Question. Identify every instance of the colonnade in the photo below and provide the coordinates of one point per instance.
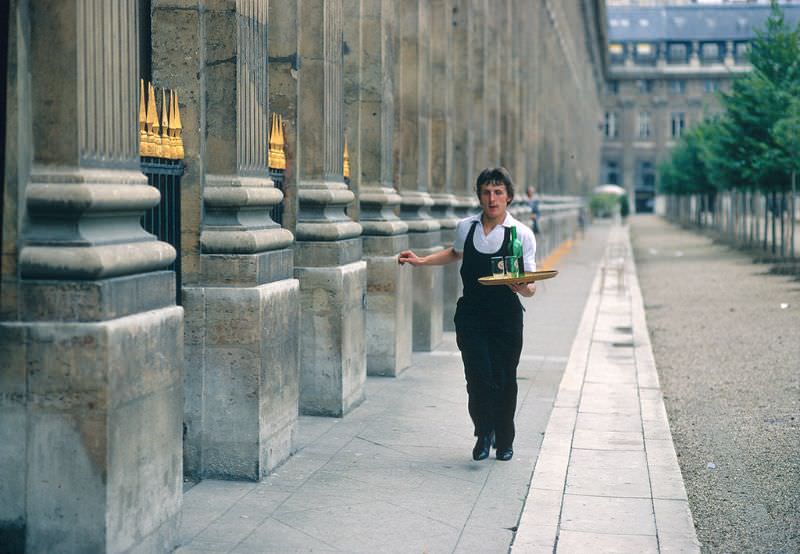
(114, 392)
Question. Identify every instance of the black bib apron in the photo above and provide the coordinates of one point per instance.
(488, 324)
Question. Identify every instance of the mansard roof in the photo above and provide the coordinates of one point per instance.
(687, 23)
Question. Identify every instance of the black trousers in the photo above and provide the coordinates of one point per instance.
(490, 352)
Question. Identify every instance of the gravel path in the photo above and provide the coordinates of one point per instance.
(728, 357)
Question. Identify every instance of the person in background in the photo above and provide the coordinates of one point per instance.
(533, 204)
(488, 319)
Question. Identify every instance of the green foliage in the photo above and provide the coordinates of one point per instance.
(603, 205)
(754, 143)
(687, 170)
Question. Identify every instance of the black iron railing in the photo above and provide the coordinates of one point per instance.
(164, 219)
(277, 210)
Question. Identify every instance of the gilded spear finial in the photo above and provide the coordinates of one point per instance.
(152, 122)
(346, 164)
(144, 146)
(175, 125)
(166, 145)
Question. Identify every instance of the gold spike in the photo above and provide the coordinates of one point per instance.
(177, 128)
(346, 164)
(152, 122)
(173, 142)
(277, 156)
(166, 147)
(143, 145)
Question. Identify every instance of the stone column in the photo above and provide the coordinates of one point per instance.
(729, 58)
(333, 277)
(414, 171)
(493, 65)
(462, 166)
(90, 398)
(369, 97)
(517, 30)
(242, 316)
(694, 54)
(442, 107)
(478, 78)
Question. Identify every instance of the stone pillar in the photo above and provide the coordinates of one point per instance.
(369, 97)
(729, 59)
(493, 65)
(694, 54)
(414, 171)
(242, 317)
(90, 398)
(442, 107)
(333, 277)
(518, 73)
(477, 77)
(460, 56)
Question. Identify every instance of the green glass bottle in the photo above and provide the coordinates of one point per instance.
(515, 252)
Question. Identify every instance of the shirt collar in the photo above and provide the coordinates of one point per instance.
(509, 221)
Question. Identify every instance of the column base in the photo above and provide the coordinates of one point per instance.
(333, 366)
(92, 462)
(241, 380)
(388, 330)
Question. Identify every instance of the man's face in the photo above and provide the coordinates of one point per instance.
(494, 199)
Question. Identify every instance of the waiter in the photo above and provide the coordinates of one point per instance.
(488, 319)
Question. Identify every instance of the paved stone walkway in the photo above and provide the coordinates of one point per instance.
(607, 477)
(396, 474)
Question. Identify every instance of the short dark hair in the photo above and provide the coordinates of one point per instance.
(498, 176)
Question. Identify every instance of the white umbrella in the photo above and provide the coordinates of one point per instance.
(610, 189)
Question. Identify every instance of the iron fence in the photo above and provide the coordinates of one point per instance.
(277, 176)
(164, 219)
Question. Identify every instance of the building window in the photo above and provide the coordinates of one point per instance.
(645, 129)
(677, 86)
(709, 52)
(710, 85)
(645, 86)
(616, 52)
(613, 87)
(742, 49)
(678, 124)
(610, 172)
(610, 127)
(678, 52)
(645, 52)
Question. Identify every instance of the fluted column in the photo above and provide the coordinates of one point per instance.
(240, 297)
(493, 66)
(370, 32)
(442, 108)
(478, 78)
(329, 248)
(90, 399)
(414, 170)
(460, 57)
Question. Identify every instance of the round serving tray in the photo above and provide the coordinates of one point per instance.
(527, 277)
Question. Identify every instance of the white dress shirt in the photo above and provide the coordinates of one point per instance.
(489, 244)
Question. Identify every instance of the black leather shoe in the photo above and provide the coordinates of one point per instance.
(482, 446)
(505, 454)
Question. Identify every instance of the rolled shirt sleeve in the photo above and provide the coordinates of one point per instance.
(462, 230)
(528, 247)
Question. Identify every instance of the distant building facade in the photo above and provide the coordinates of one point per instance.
(666, 66)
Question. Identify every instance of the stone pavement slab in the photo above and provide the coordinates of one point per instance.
(396, 474)
(607, 477)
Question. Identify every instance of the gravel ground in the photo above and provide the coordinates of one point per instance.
(728, 356)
